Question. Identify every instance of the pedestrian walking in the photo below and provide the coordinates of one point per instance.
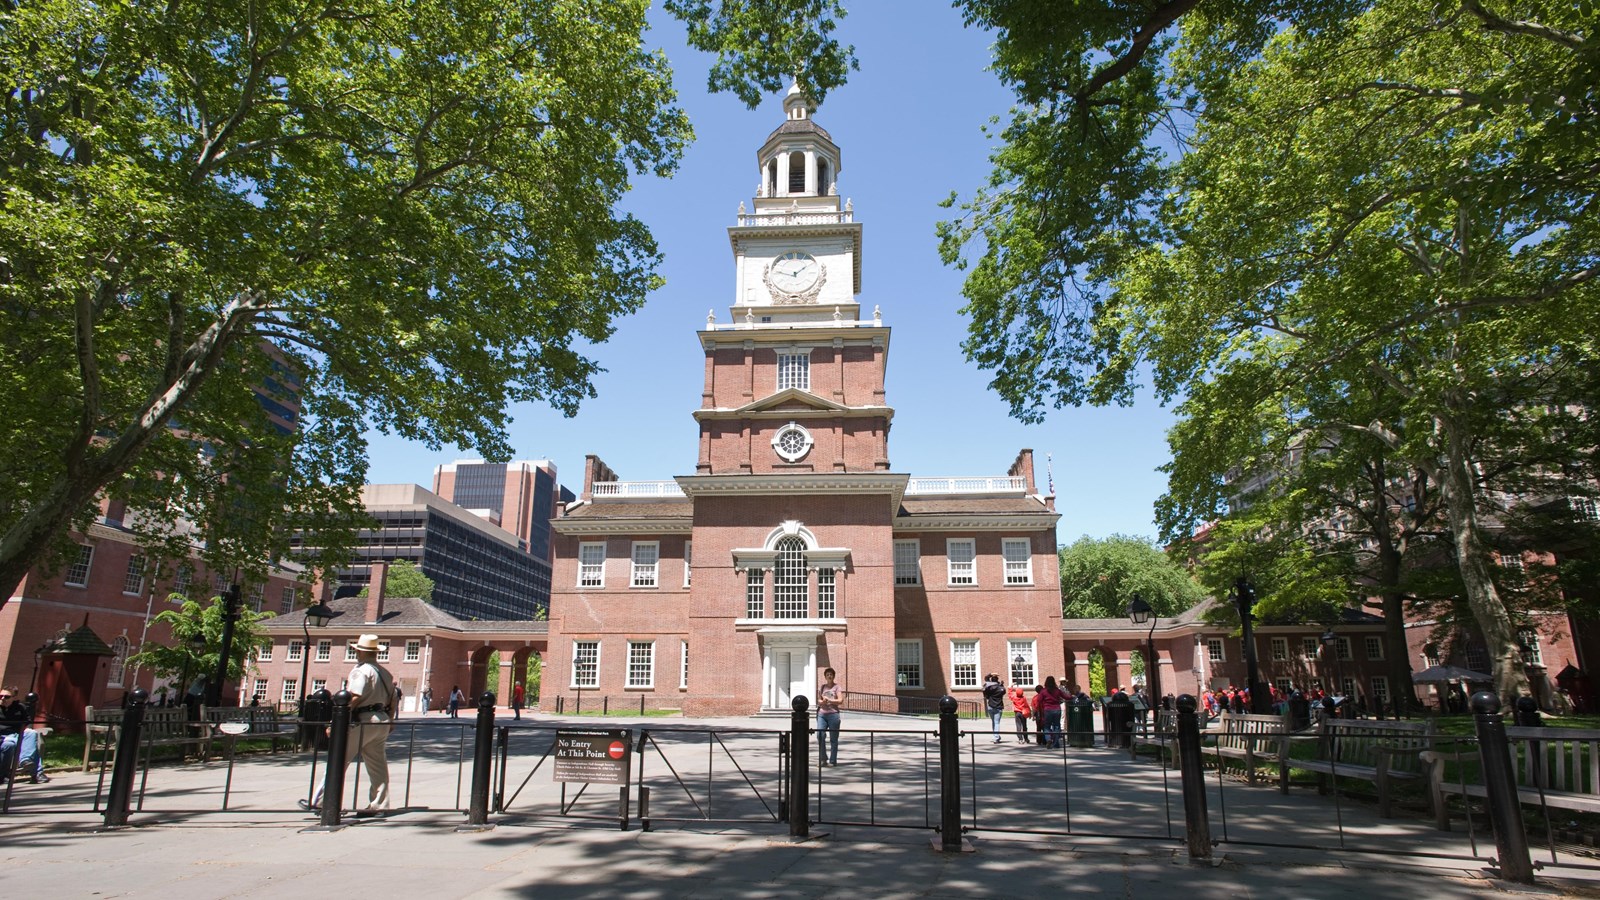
(1021, 710)
(994, 702)
(829, 699)
(456, 699)
(373, 704)
(516, 702)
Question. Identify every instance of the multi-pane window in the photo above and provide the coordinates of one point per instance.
(1511, 562)
(1018, 555)
(646, 562)
(794, 371)
(1478, 658)
(585, 664)
(1021, 658)
(1347, 686)
(413, 651)
(1283, 685)
(1309, 647)
(297, 649)
(291, 690)
(133, 581)
(319, 684)
(688, 561)
(755, 594)
(1430, 657)
(286, 600)
(592, 565)
(383, 651)
(1532, 654)
(119, 661)
(180, 583)
(827, 594)
(1584, 509)
(259, 692)
(964, 664)
(1214, 651)
(1380, 688)
(219, 582)
(962, 556)
(78, 572)
(349, 653)
(683, 666)
(258, 596)
(264, 654)
(324, 651)
(1346, 652)
(1280, 649)
(907, 562)
(908, 664)
(641, 664)
(1374, 646)
(789, 580)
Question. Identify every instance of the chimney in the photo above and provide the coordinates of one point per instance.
(376, 582)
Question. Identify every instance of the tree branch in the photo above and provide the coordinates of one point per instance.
(1160, 18)
(1493, 22)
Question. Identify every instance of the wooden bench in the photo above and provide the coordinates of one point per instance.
(263, 723)
(1380, 751)
(163, 727)
(1164, 738)
(1552, 767)
(1249, 737)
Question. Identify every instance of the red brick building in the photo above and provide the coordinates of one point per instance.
(794, 546)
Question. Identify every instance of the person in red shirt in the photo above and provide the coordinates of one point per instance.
(1022, 711)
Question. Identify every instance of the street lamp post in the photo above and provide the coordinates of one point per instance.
(230, 615)
(1244, 597)
(1330, 651)
(319, 615)
(1140, 612)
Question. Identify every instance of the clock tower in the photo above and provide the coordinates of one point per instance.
(794, 381)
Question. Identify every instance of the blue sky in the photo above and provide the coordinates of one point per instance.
(909, 126)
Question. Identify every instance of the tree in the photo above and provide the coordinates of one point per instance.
(1391, 192)
(348, 216)
(186, 656)
(1099, 577)
(404, 579)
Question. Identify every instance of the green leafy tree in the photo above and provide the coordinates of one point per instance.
(370, 214)
(1392, 192)
(1099, 576)
(404, 579)
(187, 656)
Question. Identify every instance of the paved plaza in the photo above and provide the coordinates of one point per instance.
(1087, 821)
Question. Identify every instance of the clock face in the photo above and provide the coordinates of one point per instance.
(794, 272)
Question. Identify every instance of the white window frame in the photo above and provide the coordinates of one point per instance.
(349, 653)
(1512, 562)
(907, 563)
(286, 603)
(1347, 651)
(645, 573)
(794, 369)
(1283, 684)
(296, 651)
(118, 670)
(908, 654)
(318, 684)
(1025, 647)
(648, 668)
(258, 595)
(413, 651)
(258, 691)
(133, 581)
(592, 571)
(960, 679)
(264, 654)
(183, 580)
(291, 690)
(1373, 644)
(683, 665)
(1310, 647)
(324, 651)
(755, 594)
(1216, 650)
(383, 651)
(578, 651)
(827, 593)
(78, 573)
(688, 561)
(1017, 571)
(1280, 649)
(1380, 688)
(1532, 652)
(961, 574)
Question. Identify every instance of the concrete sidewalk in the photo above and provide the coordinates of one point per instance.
(261, 850)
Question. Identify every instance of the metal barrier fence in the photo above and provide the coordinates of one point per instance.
(582, 703)
(896, 705)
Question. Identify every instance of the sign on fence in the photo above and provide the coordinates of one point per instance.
(593, 756)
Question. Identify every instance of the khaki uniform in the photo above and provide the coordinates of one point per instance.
(371, 688)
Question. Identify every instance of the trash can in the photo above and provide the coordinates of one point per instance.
(316, 711)
(1119, 721)
(1299, 712)
(1080, 722)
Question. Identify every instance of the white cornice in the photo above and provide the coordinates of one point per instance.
(585, 525)
(743, 235)
(847, 412)
(893, 484)
(818, 333)
(974, 522)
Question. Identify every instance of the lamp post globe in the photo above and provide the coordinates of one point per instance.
(319, 615)
(1140, 612)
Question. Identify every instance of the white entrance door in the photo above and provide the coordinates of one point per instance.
(789, 675)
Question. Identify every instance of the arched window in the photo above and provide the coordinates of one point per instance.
(119, 661)
(789, 584)
(797, 173)
(822, 177)
(771, 186)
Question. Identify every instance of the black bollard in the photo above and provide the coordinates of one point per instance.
(949, 776)
(1528, 712)
(482, 754)
(338, 755)
(1500, 789)
(127, 763)
(1197, 827)
(800, 770)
